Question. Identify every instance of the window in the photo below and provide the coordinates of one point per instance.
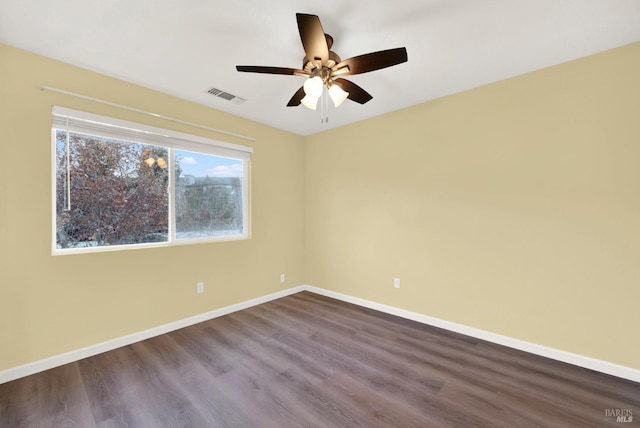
(120, 185)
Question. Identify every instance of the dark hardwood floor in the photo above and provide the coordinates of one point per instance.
(311, 361)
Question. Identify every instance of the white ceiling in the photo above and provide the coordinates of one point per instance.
(185, 47)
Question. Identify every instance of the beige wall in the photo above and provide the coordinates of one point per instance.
(513, 208)
(51, 305)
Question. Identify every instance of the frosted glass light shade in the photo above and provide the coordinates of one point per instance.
(313, 87)
(310, 102)
(337, 94)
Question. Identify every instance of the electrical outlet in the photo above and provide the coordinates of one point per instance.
(396, 282)
(200, 287)
(282, 277)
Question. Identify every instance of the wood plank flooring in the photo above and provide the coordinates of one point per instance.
(310, 361)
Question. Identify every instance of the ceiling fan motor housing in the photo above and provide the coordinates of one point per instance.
(316, 68)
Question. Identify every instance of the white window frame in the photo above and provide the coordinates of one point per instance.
(88, 123)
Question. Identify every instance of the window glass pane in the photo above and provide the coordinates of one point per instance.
(109, 192)
(120, 184)
(208, 195)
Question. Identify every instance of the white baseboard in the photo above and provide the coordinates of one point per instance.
(69, 357)
(544, 351)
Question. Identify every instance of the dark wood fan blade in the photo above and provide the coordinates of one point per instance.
(270, 70)
(356, 93)
(297, 97)
(374, 61)
(312, 36)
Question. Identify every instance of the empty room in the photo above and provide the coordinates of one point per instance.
(335, 214)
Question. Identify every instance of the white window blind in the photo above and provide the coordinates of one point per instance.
(93, 124)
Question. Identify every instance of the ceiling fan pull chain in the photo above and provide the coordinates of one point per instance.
(324, 107)
(326, 104)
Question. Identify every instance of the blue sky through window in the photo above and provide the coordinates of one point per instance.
(202, 165)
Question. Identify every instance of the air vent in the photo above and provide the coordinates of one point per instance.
(226, 96)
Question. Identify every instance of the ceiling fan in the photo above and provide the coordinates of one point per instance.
(322, 67)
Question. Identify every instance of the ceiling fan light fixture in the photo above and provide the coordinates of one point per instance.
(310, 102)
(337, 94)
(313, 87)
(323, 68)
